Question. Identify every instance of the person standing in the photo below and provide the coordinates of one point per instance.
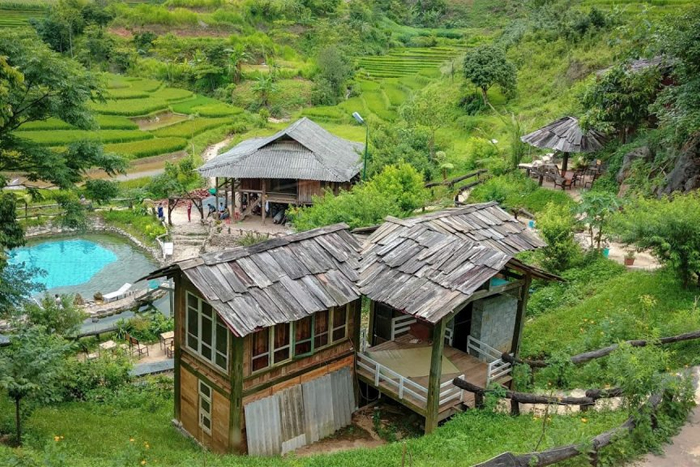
(160, 211)
(189, 210)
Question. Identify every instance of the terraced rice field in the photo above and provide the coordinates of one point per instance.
(14, 18)
(129, 102)
(406, 62)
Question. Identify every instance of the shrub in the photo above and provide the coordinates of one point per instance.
(557, 225)
(146, 328)
(82, 379)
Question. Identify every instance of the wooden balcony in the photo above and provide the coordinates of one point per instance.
(400, 369)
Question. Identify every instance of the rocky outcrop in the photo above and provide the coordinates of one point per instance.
(642, 153)
(685, 175)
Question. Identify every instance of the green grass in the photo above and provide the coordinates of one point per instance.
(130, 107)
(191, 128)
(65, 137)
(147, 148)
(144, 227)
(102, 431)
(205, 107)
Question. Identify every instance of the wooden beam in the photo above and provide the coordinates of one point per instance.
(433, 404)
(520, 316)
(370, 327)
(356, 313)
(179, 314)
(235, 434)
(262, 180)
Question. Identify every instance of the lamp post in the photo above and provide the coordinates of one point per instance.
(362, 121)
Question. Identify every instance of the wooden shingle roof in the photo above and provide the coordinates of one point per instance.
(427, 266)
(277, 281)
(303, 151)
(565, 135)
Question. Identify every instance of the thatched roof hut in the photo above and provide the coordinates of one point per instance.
(567, 136)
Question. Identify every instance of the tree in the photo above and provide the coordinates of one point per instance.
(236, 58)
(669, 227)
(334, 70)
(72, 214)
(679, 106)
(63, 319)
(403, 184)
(30, 366)
(101, 191)
(620, 100)
(597, 208)
(49, 85)
(177, 182)
(486, 66)
(428, 110)
(264, 88)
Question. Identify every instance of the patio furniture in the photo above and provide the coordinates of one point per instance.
(166, 338)
(170, 349)
(108, 346)
(116, 295)
(136, 347)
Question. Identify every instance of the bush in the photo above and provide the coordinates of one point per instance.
(147, 328)
(557, 225)
(83, 380)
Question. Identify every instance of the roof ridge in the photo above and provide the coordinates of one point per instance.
(245, 251)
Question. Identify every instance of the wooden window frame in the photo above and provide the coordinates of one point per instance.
(203, 413)
(332, 326)
(216, 322)
(271, 349)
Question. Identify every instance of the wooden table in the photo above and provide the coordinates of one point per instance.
(108, 345)
(165, 338)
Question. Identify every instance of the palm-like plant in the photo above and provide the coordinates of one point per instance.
(264, 88)
(236, 58)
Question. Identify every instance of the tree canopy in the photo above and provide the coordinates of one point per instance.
(46, 85)
(486, 66)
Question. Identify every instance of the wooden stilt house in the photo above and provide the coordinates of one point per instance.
(448, 299)
(287, 168)
(269, 354)
(265, 339)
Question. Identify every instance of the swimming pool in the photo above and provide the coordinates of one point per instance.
(85, 264)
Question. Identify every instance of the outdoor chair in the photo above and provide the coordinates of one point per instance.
(170, 350)
(136, 347)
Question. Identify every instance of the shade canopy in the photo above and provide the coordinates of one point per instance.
(567, 136)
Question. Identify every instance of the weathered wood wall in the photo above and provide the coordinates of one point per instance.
(254, 184)
(189, 415)
(308, 189)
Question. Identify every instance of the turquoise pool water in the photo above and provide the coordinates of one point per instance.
(84, 264)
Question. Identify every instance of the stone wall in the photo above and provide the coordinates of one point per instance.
(493, 321)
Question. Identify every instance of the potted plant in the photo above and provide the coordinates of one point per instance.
(629, 258)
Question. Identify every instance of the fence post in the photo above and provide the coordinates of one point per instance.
(479, 400)
(514, 407)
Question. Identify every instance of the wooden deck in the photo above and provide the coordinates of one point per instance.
(473, 369)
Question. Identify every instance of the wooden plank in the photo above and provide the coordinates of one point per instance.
(433, 403)
(236, 442)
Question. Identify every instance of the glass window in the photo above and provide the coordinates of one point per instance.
(261, 349)
(207, 335)
(340, 323)
(321, 329)
(205, 397)
(282, 342)
(303, 336)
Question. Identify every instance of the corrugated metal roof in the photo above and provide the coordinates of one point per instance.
(565, 135)
(428, 265)
(277, 281)
(303, 151)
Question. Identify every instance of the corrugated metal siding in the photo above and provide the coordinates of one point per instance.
(300, 415)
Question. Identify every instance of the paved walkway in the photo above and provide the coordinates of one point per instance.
(685, 448)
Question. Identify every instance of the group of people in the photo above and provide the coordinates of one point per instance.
(160, 211)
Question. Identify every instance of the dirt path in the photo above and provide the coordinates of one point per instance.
(685, 448)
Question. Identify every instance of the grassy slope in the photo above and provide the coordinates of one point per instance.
(99, 433)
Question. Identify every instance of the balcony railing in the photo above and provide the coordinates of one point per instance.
(497, 367)
(403, 386)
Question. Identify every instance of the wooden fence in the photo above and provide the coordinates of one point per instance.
(562, 453)
(605, 351)
(517, 398)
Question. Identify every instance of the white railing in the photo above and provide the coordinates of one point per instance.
(401, 325)
(396, 382)
(403, 386)
(497, 367)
